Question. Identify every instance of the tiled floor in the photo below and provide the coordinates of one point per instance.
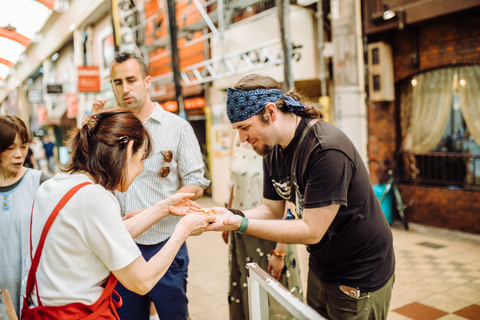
(437, 274)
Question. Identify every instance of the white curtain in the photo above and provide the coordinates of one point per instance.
(431, 106)
(469, 94)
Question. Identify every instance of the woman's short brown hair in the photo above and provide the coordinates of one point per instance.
(10, 126)
(100, 146)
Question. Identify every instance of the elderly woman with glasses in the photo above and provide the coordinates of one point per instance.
(88, 244)
(18, 186)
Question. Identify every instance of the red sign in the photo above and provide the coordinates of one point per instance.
(72, 105)
(88, 79)
(41, 115)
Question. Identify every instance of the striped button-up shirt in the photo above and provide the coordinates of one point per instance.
(171, 132)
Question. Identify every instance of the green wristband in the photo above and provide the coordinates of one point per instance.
(243, 226)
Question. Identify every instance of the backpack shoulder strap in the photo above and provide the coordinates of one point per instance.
(38, 253)
(293, 173)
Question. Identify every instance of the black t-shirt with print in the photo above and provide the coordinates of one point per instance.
(357, 249)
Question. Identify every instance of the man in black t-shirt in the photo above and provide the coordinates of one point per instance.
(351, 264)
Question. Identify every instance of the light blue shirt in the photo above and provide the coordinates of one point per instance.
(15, 235)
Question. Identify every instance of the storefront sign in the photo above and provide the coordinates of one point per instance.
(88, 79)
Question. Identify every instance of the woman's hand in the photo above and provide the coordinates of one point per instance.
(179, 204)
(194, 223)
(275, 266)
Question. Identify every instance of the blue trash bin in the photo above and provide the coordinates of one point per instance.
(386, 204)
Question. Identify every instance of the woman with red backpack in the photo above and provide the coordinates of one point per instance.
(77, 229)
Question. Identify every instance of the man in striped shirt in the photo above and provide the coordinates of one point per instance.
(176, 165)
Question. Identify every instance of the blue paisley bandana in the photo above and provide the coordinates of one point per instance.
(243, 104)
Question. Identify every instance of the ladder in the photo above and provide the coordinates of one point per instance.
(257, 57)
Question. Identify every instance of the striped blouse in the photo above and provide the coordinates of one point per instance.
(169, 132)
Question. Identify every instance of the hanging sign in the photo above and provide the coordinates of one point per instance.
(54, 88)
(88, 79)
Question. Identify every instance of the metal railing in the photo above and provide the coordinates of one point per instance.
(260, 284)
(442, 168)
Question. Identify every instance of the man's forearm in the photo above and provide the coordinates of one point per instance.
(284, 231)
(191, 189)
(269, 211)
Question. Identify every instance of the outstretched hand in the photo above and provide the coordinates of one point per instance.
(179, 204)
(225, 221)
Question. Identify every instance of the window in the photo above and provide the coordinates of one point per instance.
(440, 117)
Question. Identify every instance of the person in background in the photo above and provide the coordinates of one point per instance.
(37, 149)
(88, 243)
(18, 186)
(49, 147)
(278, 259)
(316, 166)
(176, 165)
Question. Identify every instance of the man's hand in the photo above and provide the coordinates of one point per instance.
(98, 105)
(225, 236)
(275, 266)
(225, 221)
(179, 204)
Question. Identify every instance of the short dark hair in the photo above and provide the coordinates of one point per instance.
(256, 81)
(102, 151)
(10, 126)
(124, 56)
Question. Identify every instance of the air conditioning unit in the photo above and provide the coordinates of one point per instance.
(380, 72)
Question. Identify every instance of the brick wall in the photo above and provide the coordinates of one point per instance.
(442, 207)
(449, 41)
(381, 139)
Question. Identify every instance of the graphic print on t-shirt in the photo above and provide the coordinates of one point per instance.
(283, 189)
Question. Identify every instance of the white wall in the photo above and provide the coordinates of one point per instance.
(249, 33)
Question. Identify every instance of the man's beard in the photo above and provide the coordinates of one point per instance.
(264, 150)
(134, 105)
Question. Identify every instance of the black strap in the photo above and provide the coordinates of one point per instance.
(237, 212)
(293, 175)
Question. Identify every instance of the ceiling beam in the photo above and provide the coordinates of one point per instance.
(15, 36)
(49, 3)
(6, 62)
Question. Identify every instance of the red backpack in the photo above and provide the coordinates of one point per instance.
(103, 308)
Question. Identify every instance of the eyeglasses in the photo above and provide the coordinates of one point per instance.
(167, 157)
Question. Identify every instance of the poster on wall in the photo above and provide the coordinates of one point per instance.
(41, 115)
(222, 132)
(72, 105)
